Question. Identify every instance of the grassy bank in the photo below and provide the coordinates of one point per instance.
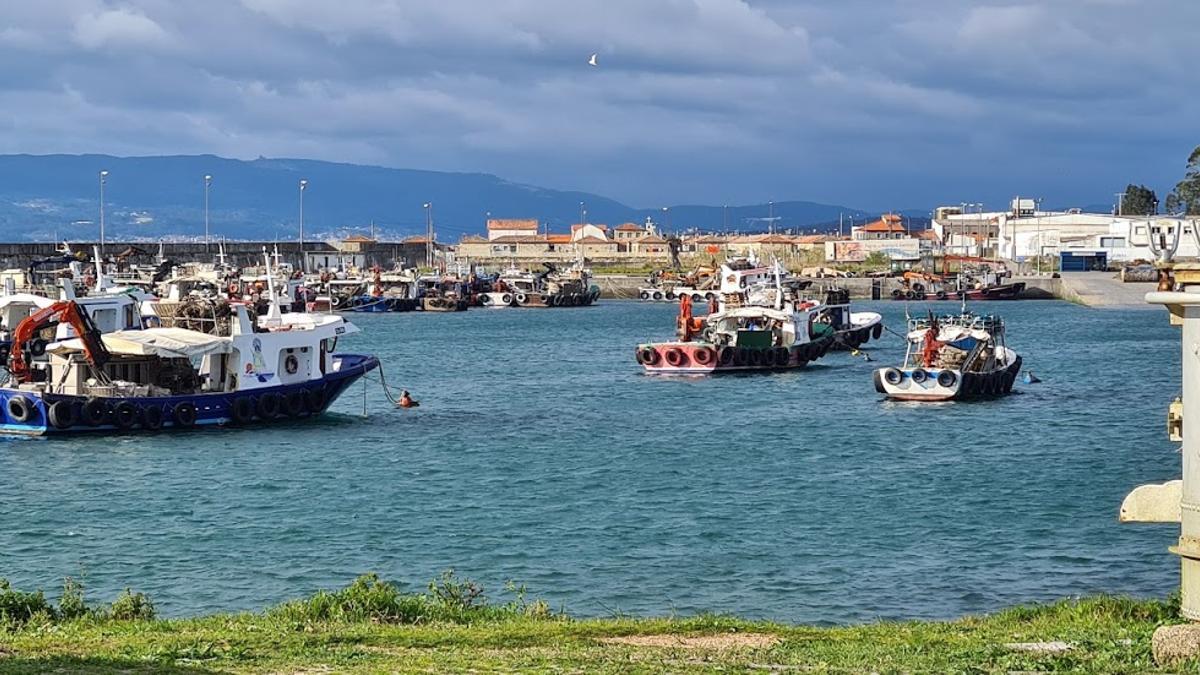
(371, 627)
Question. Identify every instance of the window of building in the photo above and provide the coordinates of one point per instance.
(1112, 242)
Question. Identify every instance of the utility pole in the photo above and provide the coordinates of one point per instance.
(429, 234)
(207, 185)
(103, 180)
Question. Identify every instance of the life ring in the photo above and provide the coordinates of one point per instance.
(152, 417)
(675, 357)
(62, 414)
(20, 409)
(522, 298)
(941, 295)
(893, 376)
(184, 414)
(919, 375)
(877, 330)
(725, 355)
(703, 356)
(946, 379)
(293, 404)
(291, 364)
(315, 400)
(94, 412)
(645, 295)
(241, 410)
(647, 356)
(124, 414)
(267, 406)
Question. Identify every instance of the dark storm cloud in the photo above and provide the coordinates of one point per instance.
(874, 104)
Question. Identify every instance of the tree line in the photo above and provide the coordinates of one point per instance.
(1140, 200)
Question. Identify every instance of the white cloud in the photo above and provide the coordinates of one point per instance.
(122, 28)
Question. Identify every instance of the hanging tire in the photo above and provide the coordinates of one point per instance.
(725, 356)
(782, 356)
(946, 379)
(645, 295)
(20, 409)
(941, 295)
(918, 288)
(741, 356)
(315, 400)
(675, 357)
(877, 330)
(241, 410)
(37, 347)
(893, 376)
(62, 414)
(5, 351)
(124, 415)
(696, 297)
(1009, 378)
(756, 358)
(658, 295)
(897, 294)
(486, 300)
(507, 299)
(93, 412)
(293, 404)
(522, 298)
(545, 299)
(670, 295)
(267, 406)
(703, 356)
(152, 417)
(911, 295)
(919, 375)
(647, 356)
(184, 414)
(709, 297)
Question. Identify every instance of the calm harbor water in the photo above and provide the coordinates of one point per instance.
(543, 455)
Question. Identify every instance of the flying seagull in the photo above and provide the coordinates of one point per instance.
(592, 61)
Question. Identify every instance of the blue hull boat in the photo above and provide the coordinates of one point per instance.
(40, 414)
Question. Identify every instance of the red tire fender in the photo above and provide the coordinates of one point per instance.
(675, 357)
(703, 356)
(647, 356)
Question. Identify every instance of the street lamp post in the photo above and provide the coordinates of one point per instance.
(428, 206)
(207, 185)
(1037, 210)
(103, 180)
(771, 217)
(303, 262)
(582, 214)
(666, 218)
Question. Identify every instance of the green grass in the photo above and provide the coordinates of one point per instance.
(371, 627)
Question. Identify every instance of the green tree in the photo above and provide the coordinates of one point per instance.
(1186, 195)
(1138, 200)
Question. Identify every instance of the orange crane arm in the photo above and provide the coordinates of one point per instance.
(66, 311)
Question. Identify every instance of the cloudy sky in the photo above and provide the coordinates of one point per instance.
(870, 104)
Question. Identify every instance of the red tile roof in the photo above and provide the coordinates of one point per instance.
(889, 222)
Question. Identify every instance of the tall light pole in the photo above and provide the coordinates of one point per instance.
(428, 206)
(582, 213)
(1120, 201)
(207, 185)
(103, 180)
(666, 218)
(303, 262)
(771, 217)
(1038, 212)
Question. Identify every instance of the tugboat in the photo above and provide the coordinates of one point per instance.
(952, 357)
(749, 328)
(239, 371)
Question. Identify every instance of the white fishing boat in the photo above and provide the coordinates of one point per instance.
(952, 357)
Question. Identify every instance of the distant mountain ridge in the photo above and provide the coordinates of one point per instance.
(44, 196)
